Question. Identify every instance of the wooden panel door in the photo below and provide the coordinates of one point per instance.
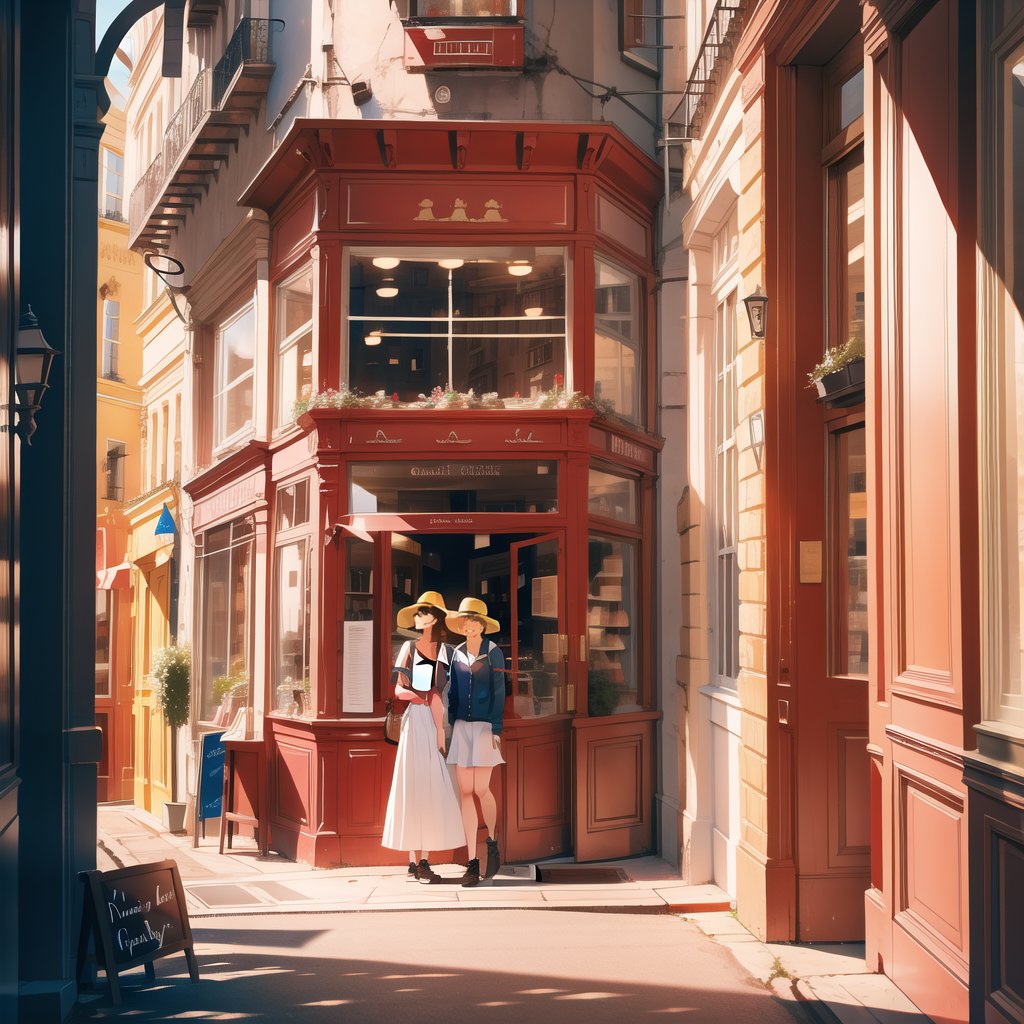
(538, 785)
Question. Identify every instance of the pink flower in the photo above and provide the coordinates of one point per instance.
(394, 396)
(558, 380)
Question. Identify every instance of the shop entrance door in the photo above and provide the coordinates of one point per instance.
(538, 787)
(521, 579)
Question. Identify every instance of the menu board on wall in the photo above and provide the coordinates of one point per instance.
(357, 668)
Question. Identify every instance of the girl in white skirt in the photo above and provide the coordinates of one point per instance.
(476, 706)
(423, 812)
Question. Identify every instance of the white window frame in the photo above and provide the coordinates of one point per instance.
(111, 343)
(222, 388)
(105, 197)
(1000, 330)
(282, 414)
(723, 460)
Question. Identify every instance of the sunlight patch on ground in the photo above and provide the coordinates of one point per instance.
(675, 1009)
(408, 990)
(328, 1002)
(590, 995)
(499, 1002)
(539, 991)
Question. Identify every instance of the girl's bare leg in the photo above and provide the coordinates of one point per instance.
(470, 822)
(488, 805)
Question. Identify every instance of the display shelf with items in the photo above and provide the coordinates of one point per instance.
(610, 629)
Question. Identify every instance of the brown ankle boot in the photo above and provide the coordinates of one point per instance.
(424, 874)
(472, 875)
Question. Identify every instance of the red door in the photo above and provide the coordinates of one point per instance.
(538, 795)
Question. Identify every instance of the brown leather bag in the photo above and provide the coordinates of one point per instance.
(392, 721)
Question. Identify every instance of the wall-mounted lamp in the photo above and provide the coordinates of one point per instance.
(757, 312)
(32, 370)
(755, 424)
(165, 530)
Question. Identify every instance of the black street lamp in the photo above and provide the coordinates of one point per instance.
(757, 312)
(32, 371)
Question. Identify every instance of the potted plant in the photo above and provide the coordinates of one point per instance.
(171, 675)
(839, 377)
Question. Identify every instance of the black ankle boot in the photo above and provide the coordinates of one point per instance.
(493, 858)
(411, 873)
(472, 875)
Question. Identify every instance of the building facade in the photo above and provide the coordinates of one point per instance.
(852, 715)
(118, 443)
(465, 296)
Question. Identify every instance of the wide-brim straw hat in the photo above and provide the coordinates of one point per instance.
(407, 615)
(455, 621)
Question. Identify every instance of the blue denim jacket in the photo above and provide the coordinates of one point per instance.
(477, 691)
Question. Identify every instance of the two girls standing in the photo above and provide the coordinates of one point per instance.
(424, 813)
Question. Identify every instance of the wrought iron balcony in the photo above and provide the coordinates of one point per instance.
(724, 27)
(203, 13)
(201, 135)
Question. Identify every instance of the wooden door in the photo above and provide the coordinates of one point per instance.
(832, 777)
(538, 797)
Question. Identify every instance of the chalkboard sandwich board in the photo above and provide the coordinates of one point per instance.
(135, 915)
(211, 782)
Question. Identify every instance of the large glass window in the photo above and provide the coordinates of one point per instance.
(111, 336)
(448, 10)
(233, 391)
(612, 496)
(225, 580)
(104, 621)
(491, 321)
(111, 185)
(848, 647)
(611, 626)
(1004, 612)
(294, 343)
(454, 486)
(845, 250)
(726, 504)
(617, 334)
(638, 32)
(292, 598)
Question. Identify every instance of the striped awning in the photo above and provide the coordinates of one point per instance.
(116, 577)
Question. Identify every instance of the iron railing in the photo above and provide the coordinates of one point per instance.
(250, 43)
(183, 125)
(724, 27)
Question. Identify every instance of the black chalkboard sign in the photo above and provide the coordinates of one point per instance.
(211, 776)
(135, 916)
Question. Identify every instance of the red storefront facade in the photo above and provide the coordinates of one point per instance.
(515, 264)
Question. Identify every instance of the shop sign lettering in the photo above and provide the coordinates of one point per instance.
(619, 446)
(112, 253)
(448, 469)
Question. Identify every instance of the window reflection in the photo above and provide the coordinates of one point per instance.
(611, 627)
(491, 321)
(850, 577)
(617, 339)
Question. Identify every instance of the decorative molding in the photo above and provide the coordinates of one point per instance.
(382, 438)
(517, 438)
(453, 438)
(926, 745)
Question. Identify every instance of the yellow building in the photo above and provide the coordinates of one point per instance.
(118, 447)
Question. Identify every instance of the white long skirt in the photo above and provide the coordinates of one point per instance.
(423, 811)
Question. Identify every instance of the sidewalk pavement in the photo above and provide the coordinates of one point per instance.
(830, 983)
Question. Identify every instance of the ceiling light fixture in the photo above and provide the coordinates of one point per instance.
(386, 262)
(387, 290)
(532, 311)
(373, 338)
(452, 264)
(520, 268)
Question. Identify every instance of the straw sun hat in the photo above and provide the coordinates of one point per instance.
(407, 615)
(455, 621)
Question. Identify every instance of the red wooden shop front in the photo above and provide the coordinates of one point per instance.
(542, 509)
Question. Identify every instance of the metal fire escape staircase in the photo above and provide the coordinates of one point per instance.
(201, 135)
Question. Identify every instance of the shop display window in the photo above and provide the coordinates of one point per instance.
(455, 10)
(612, 496)
(294, 337)
(291, 595)
(225, 560)
(617, 333)
(453, 486)
(611, 626)
(485, 328)
(233, 383)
